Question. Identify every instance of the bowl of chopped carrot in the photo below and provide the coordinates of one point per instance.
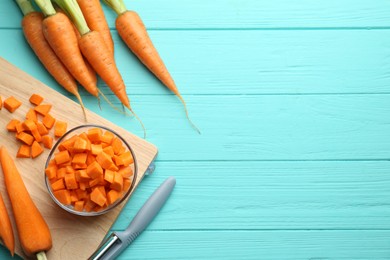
(90, 170)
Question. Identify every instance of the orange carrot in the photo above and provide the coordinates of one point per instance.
(36, 99)
(58, 31)
(6, 230)
(94, 16)
(11, 104)
(133, 32)
(33, 32)
(34, 233)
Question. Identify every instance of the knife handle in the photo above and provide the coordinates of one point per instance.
(148, 211)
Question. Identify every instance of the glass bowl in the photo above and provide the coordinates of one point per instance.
(98, 210)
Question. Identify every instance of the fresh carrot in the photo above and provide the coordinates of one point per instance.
(34, 233)
(57, 29)
(6, 230)
(94, 16)
(133, 32)
(95, 50)
(33, 32)
(11, 104)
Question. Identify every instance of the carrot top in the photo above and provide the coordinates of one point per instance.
(25, 6)
(117, 5)
(46, 7)
(73, 10)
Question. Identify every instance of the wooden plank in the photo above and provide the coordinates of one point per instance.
(73, 236)
(269, 196)
(245, 62)
(171, 14)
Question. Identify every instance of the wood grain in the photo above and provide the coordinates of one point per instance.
(74, 237)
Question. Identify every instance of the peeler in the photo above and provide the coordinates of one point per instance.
(115, 243)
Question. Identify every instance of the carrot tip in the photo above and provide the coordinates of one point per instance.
(110, 103)
(139, 120)
(82, 106)
(188, 117)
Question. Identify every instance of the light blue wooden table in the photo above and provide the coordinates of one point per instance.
(293, 101)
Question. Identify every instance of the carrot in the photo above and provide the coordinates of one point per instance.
(33, 31)
(33, 231)
(11, 104)
(6, 230)
(94, 16)
(133, 32)
(94, 49)
(58, 31)
(23, 152)
(36, 99)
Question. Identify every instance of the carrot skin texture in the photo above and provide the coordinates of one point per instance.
(34, 233)
(94, 49)
(6, 231)
(59, 33)
(96, 20)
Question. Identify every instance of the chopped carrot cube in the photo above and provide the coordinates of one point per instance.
(79, 158)
(117, 184)
(11, 126)
(51, 172)
(36, 99)
(95, 134)
(94, 170)
(79, 205)
(58, 185)
(109, 176)
(31, 115)
(127, 183)
(63, 196)
(61, 172)
(116, 145)
(89, 205)
(127, 158)
(70, 181)
(104, 160)
(37, 136)
(25, 138)
(81, 175)
(79, 166)
(90, 158)
(79, 146)
(62, 157)
(11, 104)
(48, 121)
(98, 197)
(109, 150)
(126, 171)
(42, 129)
(107, 137)
(60, 128)
(47, 141)
(81, 194)
(29, 124)
(69, 169)
(36, 149)
(67, 144)
(84, 185)
(20, 127)
(23, 152)
(43, 109)
(73, 196)
(94, 182)
(112, 196)
(96, 149)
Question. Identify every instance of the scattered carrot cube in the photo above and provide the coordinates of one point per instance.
(42, 129)
(63, 196)
(36, 149)
(23, 152)
(29, 124)
(62, 157)
(11, 104)
(47, 141)
(20, 127)
(43, 109)
(11, 126)
(35, 133)
(31, 115)
(36, 99)
(60, 128)
(48, 121)
(25, 138)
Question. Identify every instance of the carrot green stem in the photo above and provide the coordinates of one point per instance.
(72, 8)
(25, 6)
(41, 256)
(117, 5)
(46, 7)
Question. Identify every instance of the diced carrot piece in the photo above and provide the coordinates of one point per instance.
(109, 176)
(58, 185)
(96, 149)
(84, 185)
(11, 126)
(43, 109)
(23, 152)
(47, 141)
(70, 181)
(89, 205)
(25, 138)
(51, 171)
(20, 127)
(36, 135)
(90, 158)
(36, 99)
(73, 196)
(63, 196)
(127, 183)
(102, 189)
(81, 175)
(81, 194)
(79, 158)
(80, 145)
(112, 196)
(98, 197)
(11, 104)
(61, 172)
(94, 170)
(31, 115)
(109, 150)
(104, 160)
(118, 160)
(79, 205)
(127, 158)
(94, 182)
(107, 137)
(69, 169)
(42, 129)
(79, 166)
(60, 128)
(36, 149)
(29, 124)
(62, 157)
(67, 144)
(95, 134)
(116, 145)
(48, 121)
(126, 171)
(117, 184)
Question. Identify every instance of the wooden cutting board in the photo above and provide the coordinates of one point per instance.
(74, 237)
